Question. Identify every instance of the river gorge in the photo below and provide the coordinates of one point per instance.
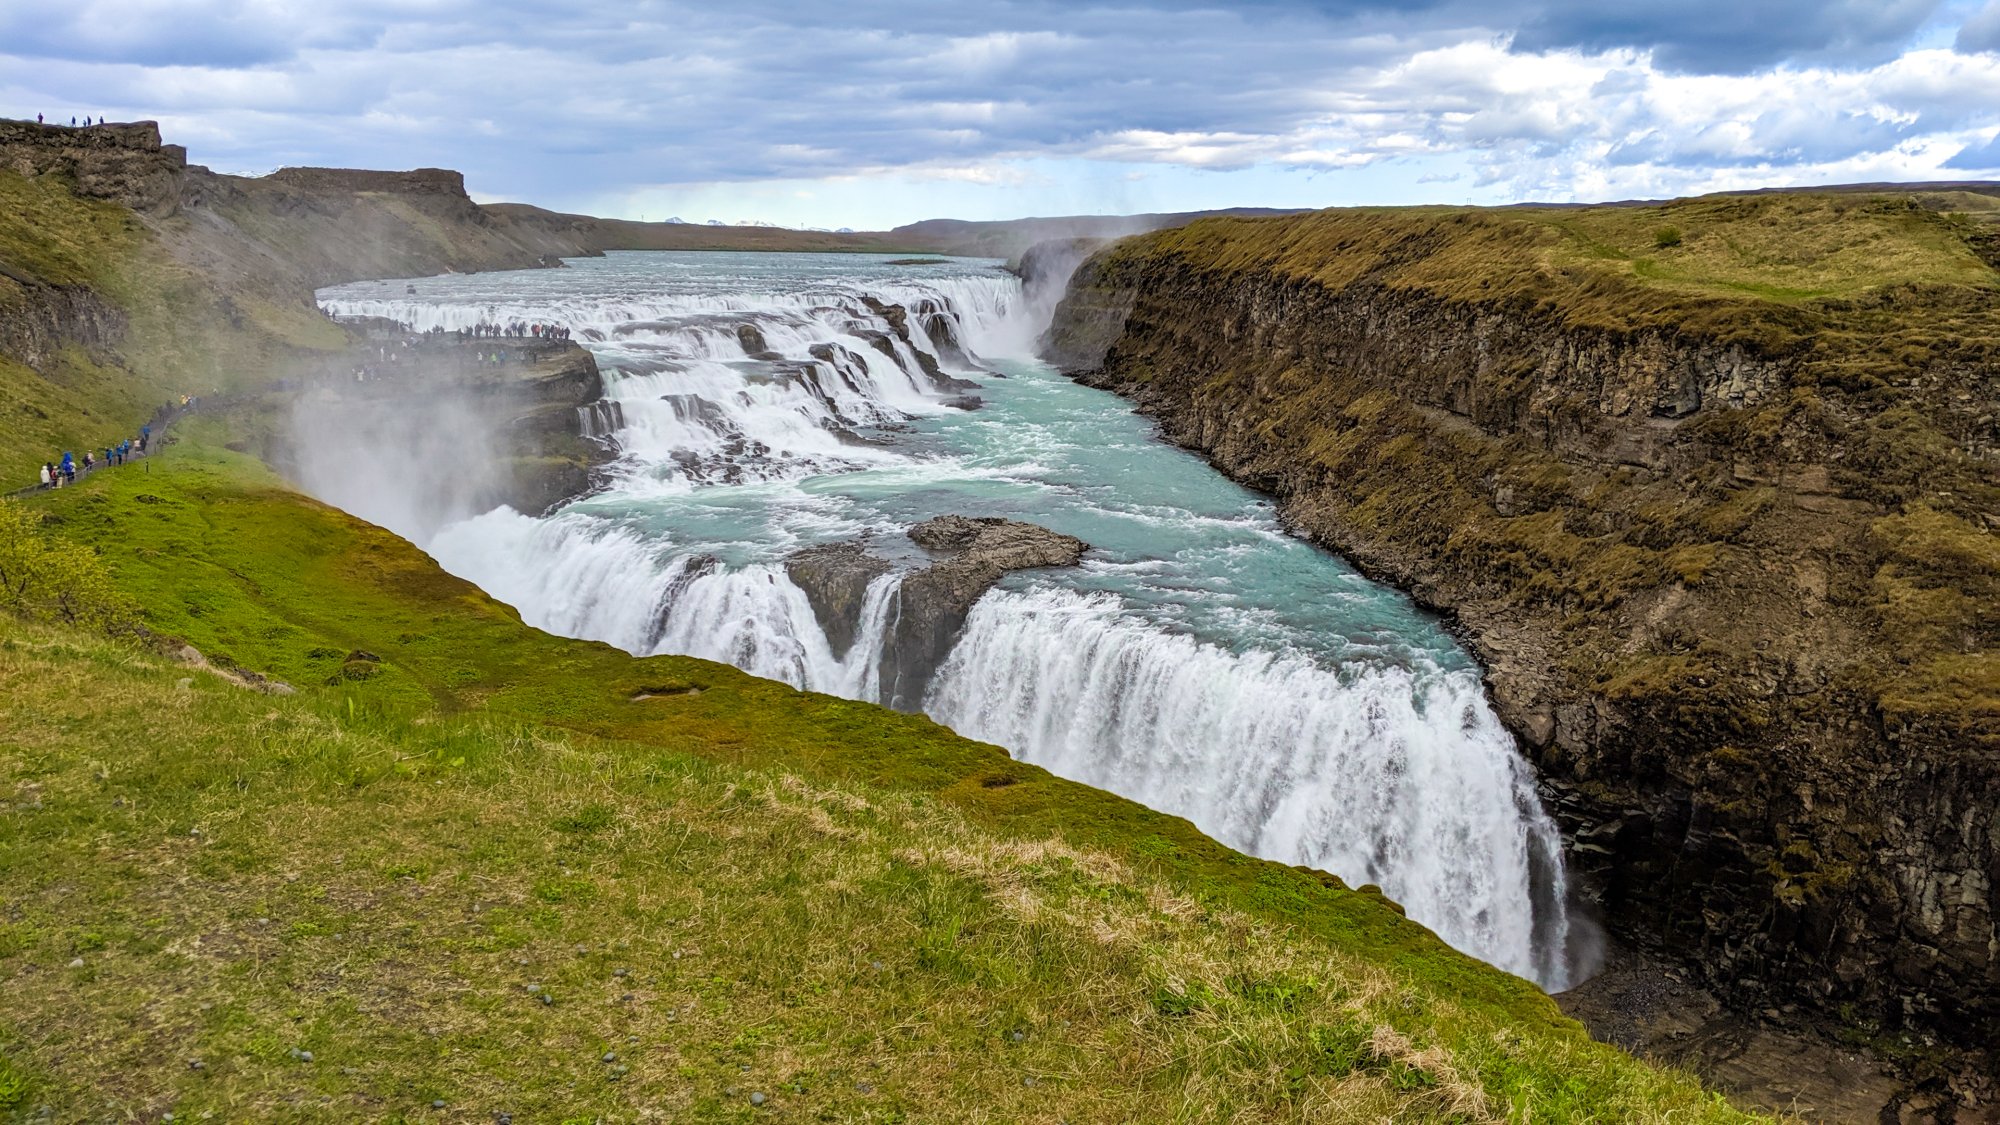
(1198, 659)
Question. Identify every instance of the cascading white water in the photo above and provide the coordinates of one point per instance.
(574, 577)
(698, 408)
(1201, 661)
(1387, 775)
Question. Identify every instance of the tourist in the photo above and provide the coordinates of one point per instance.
(48, 474)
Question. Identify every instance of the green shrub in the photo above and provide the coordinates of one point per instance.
(14, 1086)
(45, 577)
(1666, 237)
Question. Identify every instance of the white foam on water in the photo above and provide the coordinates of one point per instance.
(1403, 778)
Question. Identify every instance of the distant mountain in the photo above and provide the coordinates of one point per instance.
(994, 239)
(1007, 238)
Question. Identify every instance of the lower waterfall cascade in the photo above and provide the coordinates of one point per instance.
(1200, 660)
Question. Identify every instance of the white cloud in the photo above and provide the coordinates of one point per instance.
(606, 101)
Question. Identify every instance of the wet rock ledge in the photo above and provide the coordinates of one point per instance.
(973, 553)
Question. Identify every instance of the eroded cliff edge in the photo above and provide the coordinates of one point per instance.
(132, 276)
(1711, 489)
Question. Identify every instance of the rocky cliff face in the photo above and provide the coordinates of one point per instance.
(141, 276)
(512, 432)
(1680, 555)
(307, 227)
(43, 318)
(119, 163)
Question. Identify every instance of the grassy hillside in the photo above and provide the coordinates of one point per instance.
(518, 874)
(126, 323)
(1736, 267)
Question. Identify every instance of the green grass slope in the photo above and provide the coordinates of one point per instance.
(168, 327)
(492, 871)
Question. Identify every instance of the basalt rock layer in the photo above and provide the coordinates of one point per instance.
(1725, 548)
(124, 163)
(971, 552)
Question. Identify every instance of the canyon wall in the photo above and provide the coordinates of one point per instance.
(1729, 562)
(142, 277)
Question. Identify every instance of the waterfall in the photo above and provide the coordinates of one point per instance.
(1402, 778)
(694, 403)
(579, 577)
(740, 404)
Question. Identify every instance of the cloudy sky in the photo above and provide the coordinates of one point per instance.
(868, 114)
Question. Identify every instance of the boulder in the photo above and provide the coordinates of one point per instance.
(973, 552)
(753, 343)
(835, 579)
(935, 600)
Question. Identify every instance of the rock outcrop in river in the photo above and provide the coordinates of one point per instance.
(973, 552)
(445, 430)
(1730, 561)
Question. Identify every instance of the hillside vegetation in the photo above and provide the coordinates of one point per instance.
(471, 864)
(101, 323)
